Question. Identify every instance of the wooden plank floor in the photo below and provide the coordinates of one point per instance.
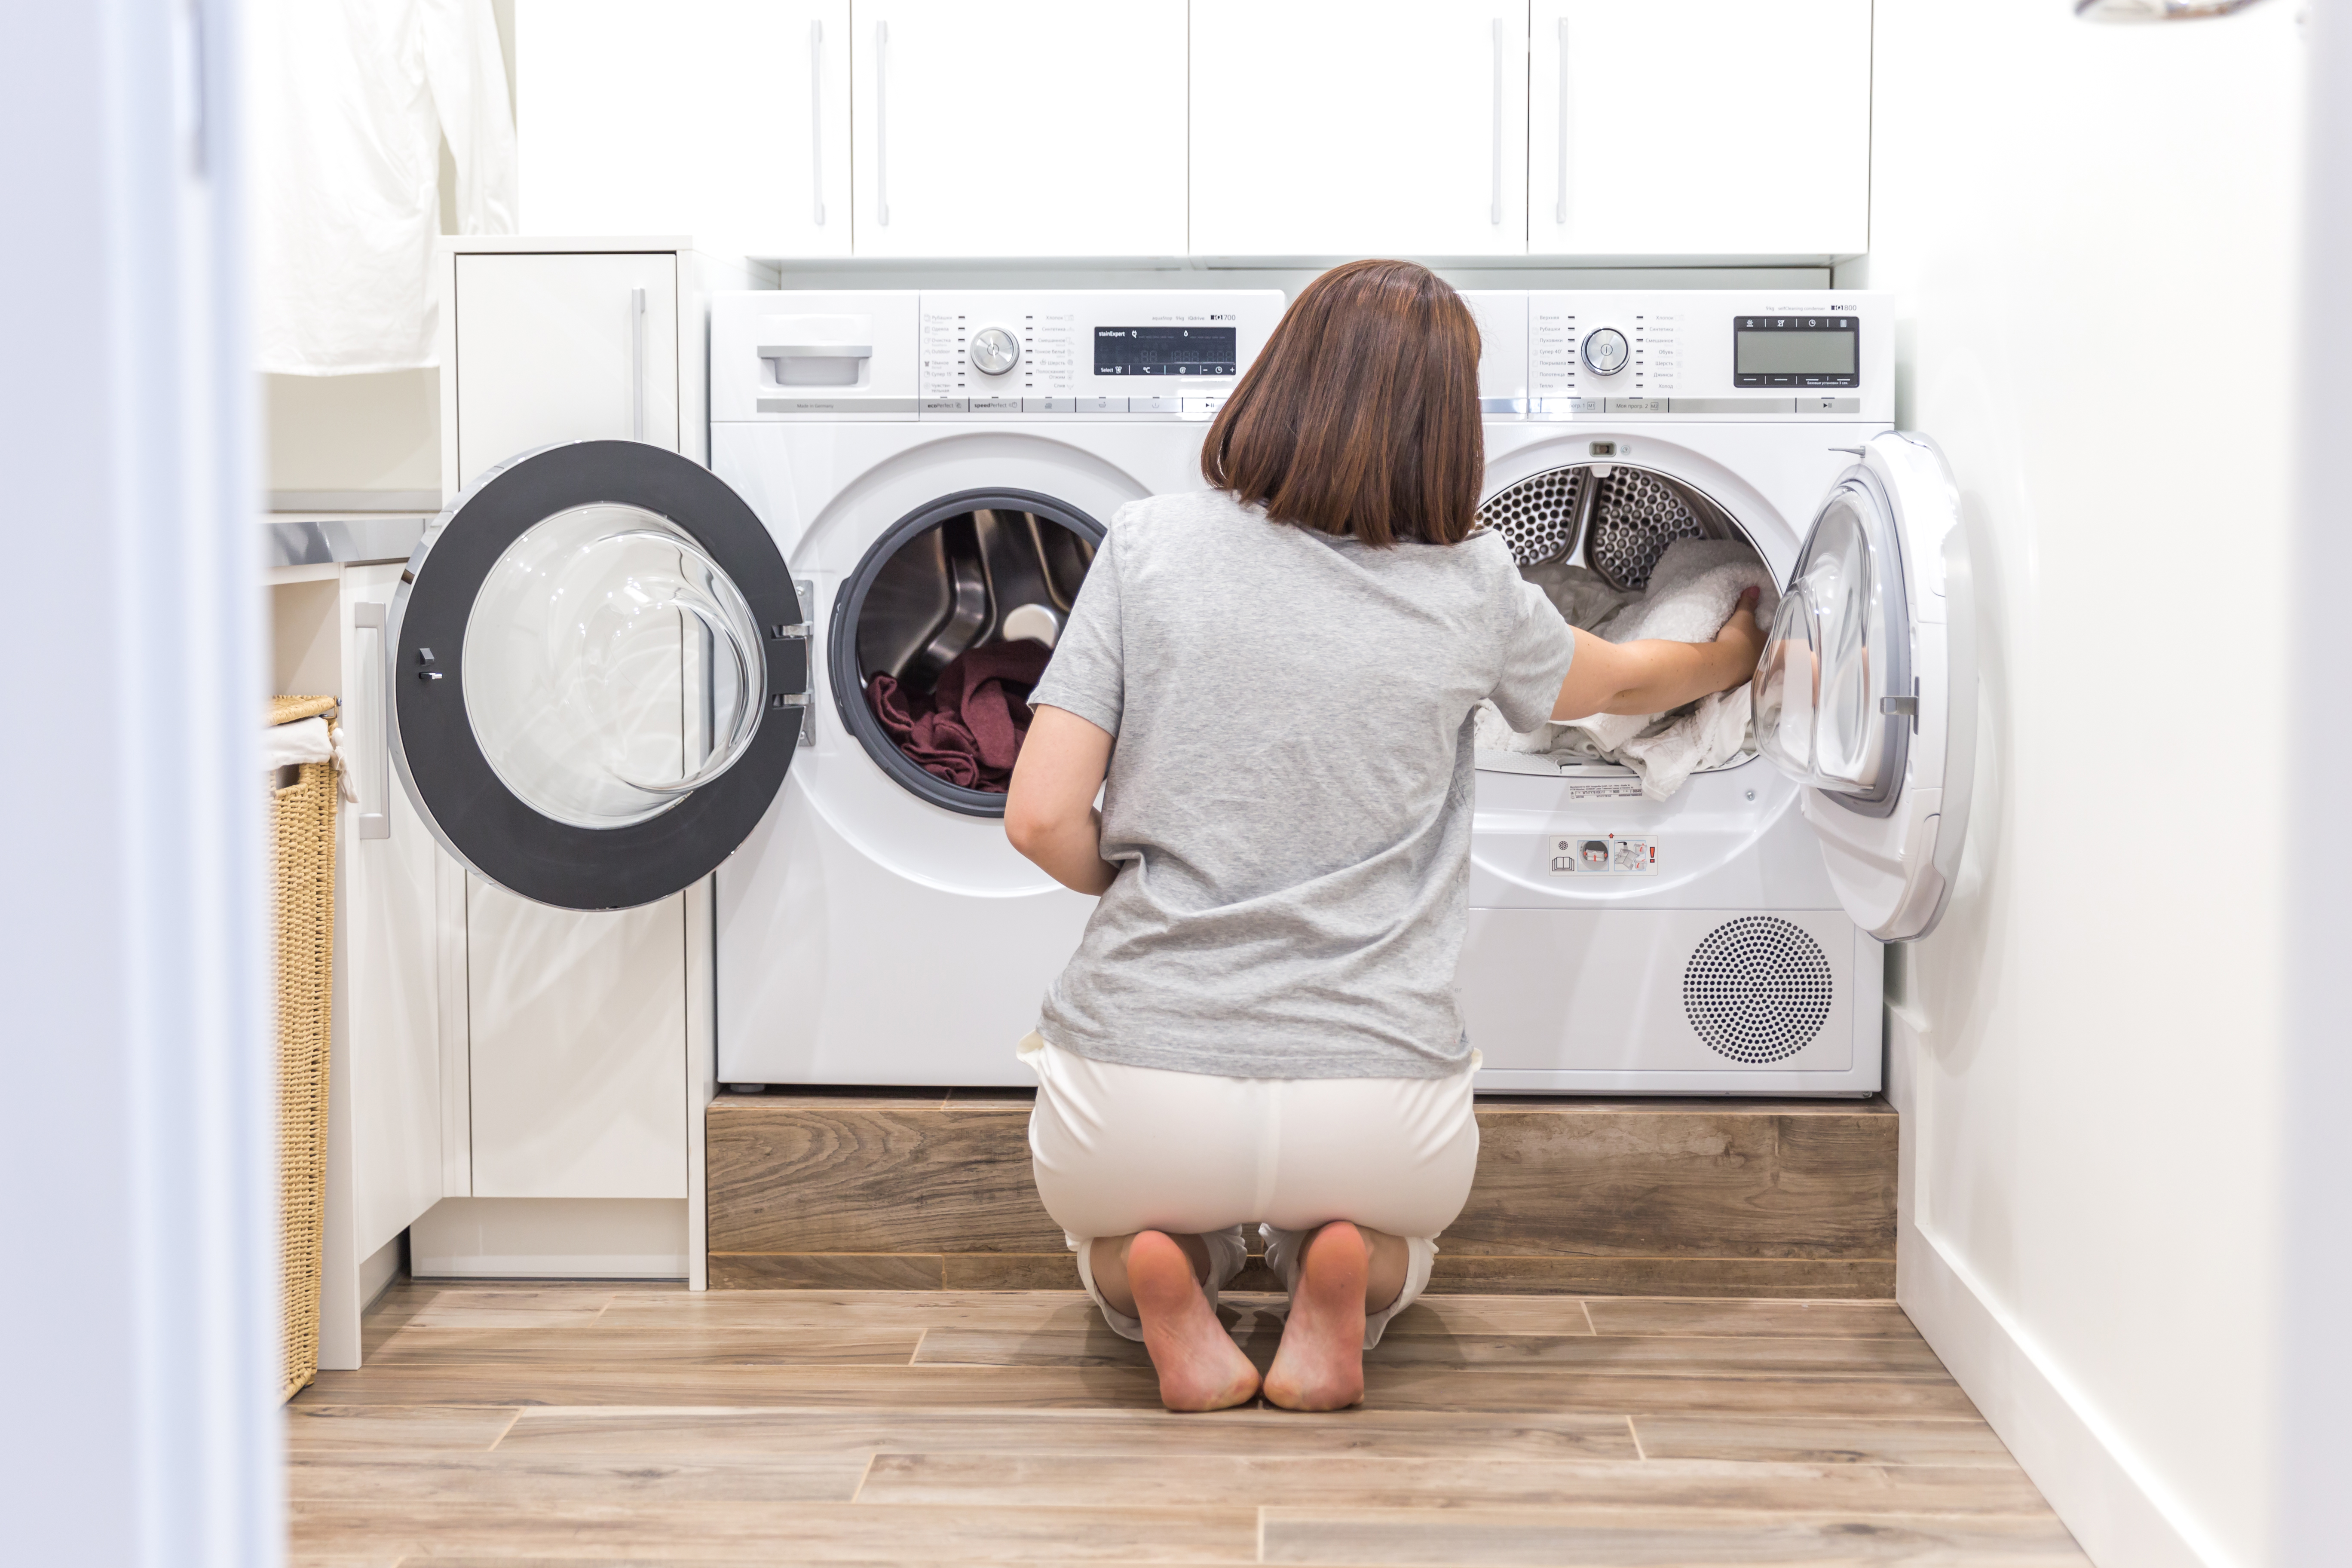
(599, 1425)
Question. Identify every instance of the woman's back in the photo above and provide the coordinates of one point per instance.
(1290, 794)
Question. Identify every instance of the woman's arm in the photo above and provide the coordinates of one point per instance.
(1652, 676)
(1049, 812)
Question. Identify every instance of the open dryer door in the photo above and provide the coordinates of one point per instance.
(595, 670)
(1867, 689)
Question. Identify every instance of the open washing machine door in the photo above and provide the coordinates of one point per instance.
(1866, 691)
(595, 668)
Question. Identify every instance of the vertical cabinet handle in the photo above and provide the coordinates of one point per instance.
(375, 810)
(882, 124)
(1495, 202)
(1559, 209)
(816, 120)
(636, 364)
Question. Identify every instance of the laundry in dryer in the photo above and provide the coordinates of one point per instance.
(1691, 591)
(967, 729)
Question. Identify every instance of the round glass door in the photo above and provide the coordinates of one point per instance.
(1834, 686)
(597, 669)
(611, 666)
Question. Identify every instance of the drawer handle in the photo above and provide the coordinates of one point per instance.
(375, 812)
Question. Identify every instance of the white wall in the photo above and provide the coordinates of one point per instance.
(2092, 231)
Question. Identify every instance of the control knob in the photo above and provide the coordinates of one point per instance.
(995, 350)
(1605, 351)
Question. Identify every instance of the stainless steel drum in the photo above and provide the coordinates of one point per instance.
(1614, 518)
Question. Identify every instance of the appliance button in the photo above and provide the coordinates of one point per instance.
(996, 405)
(1155, 405)
(995, 350)
(947, 405)
(1201, 408)
(1634, 405)
(1098, 405)
(1049, 404)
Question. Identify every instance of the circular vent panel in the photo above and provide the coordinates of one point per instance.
(1536, 516)
(1637, 516)
(1757, 989)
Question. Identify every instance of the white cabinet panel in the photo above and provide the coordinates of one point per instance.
(390, 993)
(579, 1048)
(1358, 127)
(1699, 128)
(1040, 128)
(725, 119)
(567, 347)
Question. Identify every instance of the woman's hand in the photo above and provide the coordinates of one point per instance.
(1049, 811)
(1654, 676)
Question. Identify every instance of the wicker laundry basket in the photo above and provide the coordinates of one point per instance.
(302, 868)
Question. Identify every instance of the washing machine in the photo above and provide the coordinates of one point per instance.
(1726, 939)
(938, 467)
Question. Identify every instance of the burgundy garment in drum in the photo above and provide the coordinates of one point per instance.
(970, 727)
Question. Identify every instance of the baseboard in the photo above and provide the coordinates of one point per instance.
(2117, 1510)
(549, 1238)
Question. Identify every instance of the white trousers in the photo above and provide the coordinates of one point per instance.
(1121, 1149)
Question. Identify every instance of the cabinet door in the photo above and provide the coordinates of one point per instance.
(578, 1048)
(1040, 128)
(565, 347)
(1358, 127)
(724, 120)
(387, 949)
(1699, 128)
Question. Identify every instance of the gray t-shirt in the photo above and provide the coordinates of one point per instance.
(1290, 799)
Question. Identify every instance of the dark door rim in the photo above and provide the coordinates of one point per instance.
(841, 638)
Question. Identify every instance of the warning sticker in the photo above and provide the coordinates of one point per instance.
(1606, 856)
(1604, 789)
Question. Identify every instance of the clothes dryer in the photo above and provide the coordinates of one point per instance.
(1726, 939)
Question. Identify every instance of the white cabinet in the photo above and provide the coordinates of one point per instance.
(577, 1049)
(1043, 128)
(1358, 127)
(561, 348)
(1697, 128)
(724, 119)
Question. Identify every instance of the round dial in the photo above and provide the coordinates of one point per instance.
(1605, 351)
(995, 350)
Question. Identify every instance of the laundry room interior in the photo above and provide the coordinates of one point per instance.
(688, 434)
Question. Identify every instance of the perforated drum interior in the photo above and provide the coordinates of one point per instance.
(1622, 517)
(1536, 516)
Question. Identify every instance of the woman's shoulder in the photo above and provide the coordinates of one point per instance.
(1179, 507)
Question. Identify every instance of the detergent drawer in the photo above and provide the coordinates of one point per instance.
(1633, 1001)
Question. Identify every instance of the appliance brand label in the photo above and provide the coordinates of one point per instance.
(1602, 789)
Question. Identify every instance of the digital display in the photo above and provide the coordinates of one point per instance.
(1797, 351)
(1167, 350)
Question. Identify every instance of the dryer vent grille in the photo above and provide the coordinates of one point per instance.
(1636, 517)
(1757, 989)
(1536, 516)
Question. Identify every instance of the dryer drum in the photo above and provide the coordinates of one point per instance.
(1614, 518)
(959, 576)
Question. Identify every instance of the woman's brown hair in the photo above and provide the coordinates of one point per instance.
(1360, 417)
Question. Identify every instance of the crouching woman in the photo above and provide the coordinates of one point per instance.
(1275, 677)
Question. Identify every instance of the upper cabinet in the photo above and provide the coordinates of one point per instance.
(1047, 128)
(725, 119)
(1698, 128)
(945, 130)
(1358, 127)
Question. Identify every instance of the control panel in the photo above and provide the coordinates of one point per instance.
(983, 353)
(1799, 354)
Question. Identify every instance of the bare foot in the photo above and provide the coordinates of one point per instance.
(1199, 1366)
(1320, 1365)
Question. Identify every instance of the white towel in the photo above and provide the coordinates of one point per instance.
(311, 740)
(1692, 591)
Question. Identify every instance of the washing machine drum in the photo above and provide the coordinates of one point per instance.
(1614, 518)
(941, 632)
